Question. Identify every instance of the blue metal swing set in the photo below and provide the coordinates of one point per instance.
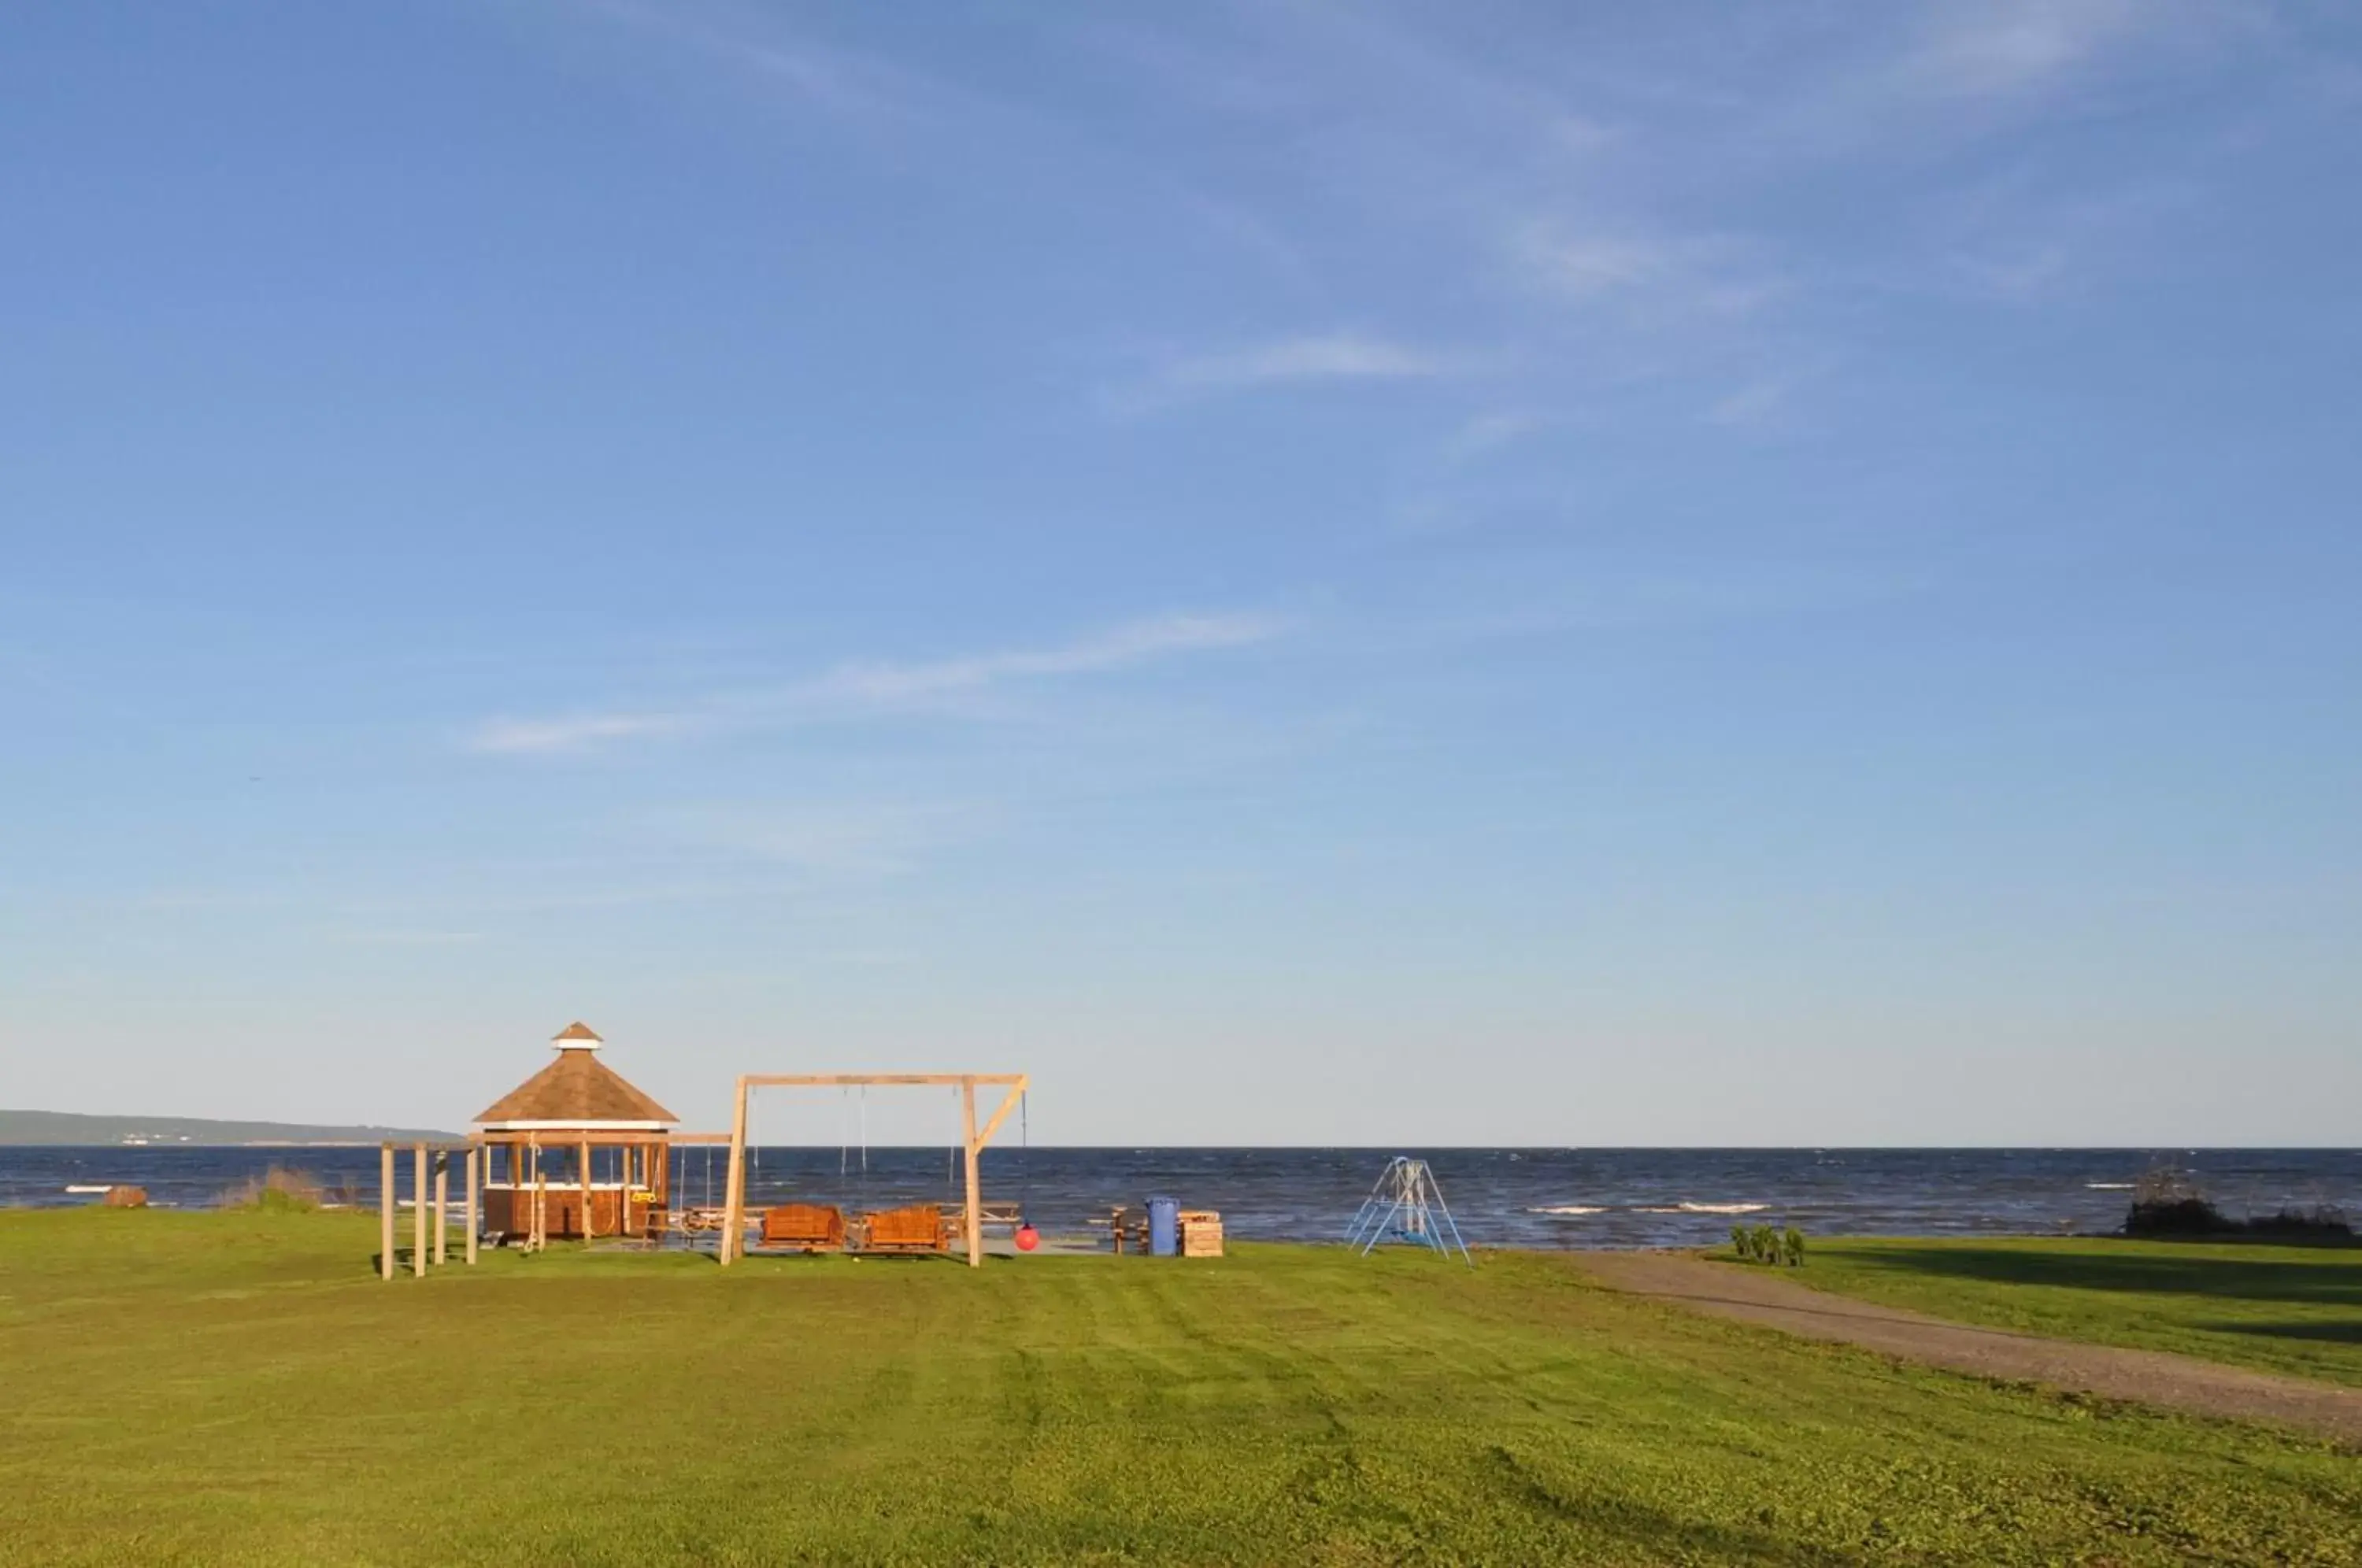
(1407, 1206)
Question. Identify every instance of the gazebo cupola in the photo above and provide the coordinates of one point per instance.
(576, 1151)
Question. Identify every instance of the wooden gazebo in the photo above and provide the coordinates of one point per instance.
(574, 1150)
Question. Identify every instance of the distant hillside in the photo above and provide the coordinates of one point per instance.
(58, 1126)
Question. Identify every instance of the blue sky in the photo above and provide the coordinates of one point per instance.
(1374, 573)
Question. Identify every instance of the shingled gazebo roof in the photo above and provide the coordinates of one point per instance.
(576, 1090)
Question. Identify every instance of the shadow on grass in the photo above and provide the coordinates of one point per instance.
(402, 1268)
(2296, 1280)
(1651, 1532)
(2321, 1333)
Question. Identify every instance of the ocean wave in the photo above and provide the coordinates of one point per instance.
(1719, 1207)
(1566, 1208)
(2108, 1186)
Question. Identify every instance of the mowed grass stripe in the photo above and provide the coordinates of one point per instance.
(242, 1389)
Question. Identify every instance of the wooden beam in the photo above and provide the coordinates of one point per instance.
(975, 1211)
(442, 1209)
(1008, 1104)
(418, 1214)
(477, 1161)
(607, 1138)
(776, 1080)
(385, 1210)
(637, 1138)
(733, 1198)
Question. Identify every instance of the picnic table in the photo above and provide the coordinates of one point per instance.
(1123, 1224)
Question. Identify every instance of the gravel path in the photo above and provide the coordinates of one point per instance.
(2153, 1377)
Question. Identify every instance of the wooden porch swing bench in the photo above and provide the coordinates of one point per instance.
(916, 1228)
(803, 1227)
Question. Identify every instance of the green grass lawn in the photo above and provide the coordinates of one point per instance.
(240, 1388)
(2279, 1309)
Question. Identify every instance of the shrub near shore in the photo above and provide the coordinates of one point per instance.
(1761, 1243)
(278, 1190)
(2165, 1204)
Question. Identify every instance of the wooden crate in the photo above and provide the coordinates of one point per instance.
(1201, 1233)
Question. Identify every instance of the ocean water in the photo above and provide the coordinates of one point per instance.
(1507, 1198)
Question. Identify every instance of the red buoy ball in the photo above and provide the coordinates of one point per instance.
(1028, 1238)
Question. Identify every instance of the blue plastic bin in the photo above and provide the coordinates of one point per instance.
(1165, 1227)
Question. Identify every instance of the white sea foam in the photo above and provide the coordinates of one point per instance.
(1566, 1208)
(2108, 1187)
(1718, 1209)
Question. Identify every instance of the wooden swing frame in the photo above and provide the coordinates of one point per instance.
(733, 1241)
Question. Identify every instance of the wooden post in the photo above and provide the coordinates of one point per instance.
(385, 1210)
(733, 1197)
(974, 1213)
(442, 1208)
(540, 1199)
(636, 1163)
(475, 1199)
(418, 1214)
(585, 1152)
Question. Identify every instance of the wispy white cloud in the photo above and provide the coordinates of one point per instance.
(1581, 133)
(777, 59)
(1583, 266)
(1310, 359)
(2017, 238)
(890, 685)
(1944, 75)
(1757, 404)
(1491, 430)
(1698, 278)
(575, 731)
(853, 88)
(1992, 48)
(2030, 270)
(876, 687)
